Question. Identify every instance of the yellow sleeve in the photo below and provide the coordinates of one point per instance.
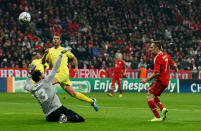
(46, 66)
(69, 55)
(47, 56)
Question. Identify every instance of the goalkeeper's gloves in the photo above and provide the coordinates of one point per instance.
(65, 50)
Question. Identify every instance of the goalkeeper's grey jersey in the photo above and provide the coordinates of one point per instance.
(44, 92)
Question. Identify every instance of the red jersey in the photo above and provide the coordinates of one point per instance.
(162, 61)
(119, 66)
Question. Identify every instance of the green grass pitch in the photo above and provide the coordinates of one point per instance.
(21, 112)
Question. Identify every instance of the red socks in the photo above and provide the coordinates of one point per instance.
(112, 89)
(153, 107)
(120, 88)
(158, 103)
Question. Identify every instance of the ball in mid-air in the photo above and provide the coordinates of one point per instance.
(25, 17)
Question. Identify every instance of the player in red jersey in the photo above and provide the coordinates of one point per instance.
(119, 71)
(162, 61)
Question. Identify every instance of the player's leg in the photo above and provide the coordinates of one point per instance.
(64, 115)
(67, 115)
(54, 116)
(120, 87)
(158, 103)
(152, 105)
(112, 86)
(69, 89)
(65, 83)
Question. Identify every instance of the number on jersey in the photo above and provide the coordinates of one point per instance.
(41, 95)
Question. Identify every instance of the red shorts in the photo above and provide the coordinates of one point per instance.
(116, 78)
(156, 88)
(118, 75)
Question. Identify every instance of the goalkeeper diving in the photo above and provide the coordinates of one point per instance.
(46, 95)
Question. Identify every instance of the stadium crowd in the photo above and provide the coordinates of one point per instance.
(97, 29)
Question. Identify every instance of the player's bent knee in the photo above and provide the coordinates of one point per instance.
(70, 91)
(150, 98)
(73, 94)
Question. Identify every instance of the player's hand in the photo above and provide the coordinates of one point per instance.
(65, 50)
(143, 81)
(176, 69)
(46, 51)
(125, 75)
(31, 68)
(76, 70)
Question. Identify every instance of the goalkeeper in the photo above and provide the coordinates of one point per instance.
(46, 95)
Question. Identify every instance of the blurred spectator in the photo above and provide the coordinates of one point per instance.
(142, 64)
(95, 51)
(84, 65)
(26, 43)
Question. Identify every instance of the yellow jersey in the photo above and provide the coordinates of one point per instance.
(53, 55)
(39, 65)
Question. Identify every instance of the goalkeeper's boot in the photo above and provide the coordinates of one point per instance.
(109, 94)
(120, 95)
(156, 119)
(164, 113)
(95, 106)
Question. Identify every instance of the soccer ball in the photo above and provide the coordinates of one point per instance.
(25, 17)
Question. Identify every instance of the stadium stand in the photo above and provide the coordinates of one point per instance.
(97, 29)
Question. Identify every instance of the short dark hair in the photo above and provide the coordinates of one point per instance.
(37, 51)
(35, 75)
(157, 44)
(56, 34)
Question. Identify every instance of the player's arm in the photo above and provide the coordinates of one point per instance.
(75, 63)
(28, 85)
(173, 64)
(45, 56)
(74, 59)
(124, 69)
(153, 75)
(56, 66)
(46, 67)
(175, 67)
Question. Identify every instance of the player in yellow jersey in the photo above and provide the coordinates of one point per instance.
(62, 76)
(37, 60)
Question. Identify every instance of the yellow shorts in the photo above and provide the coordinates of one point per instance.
(63, 78)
